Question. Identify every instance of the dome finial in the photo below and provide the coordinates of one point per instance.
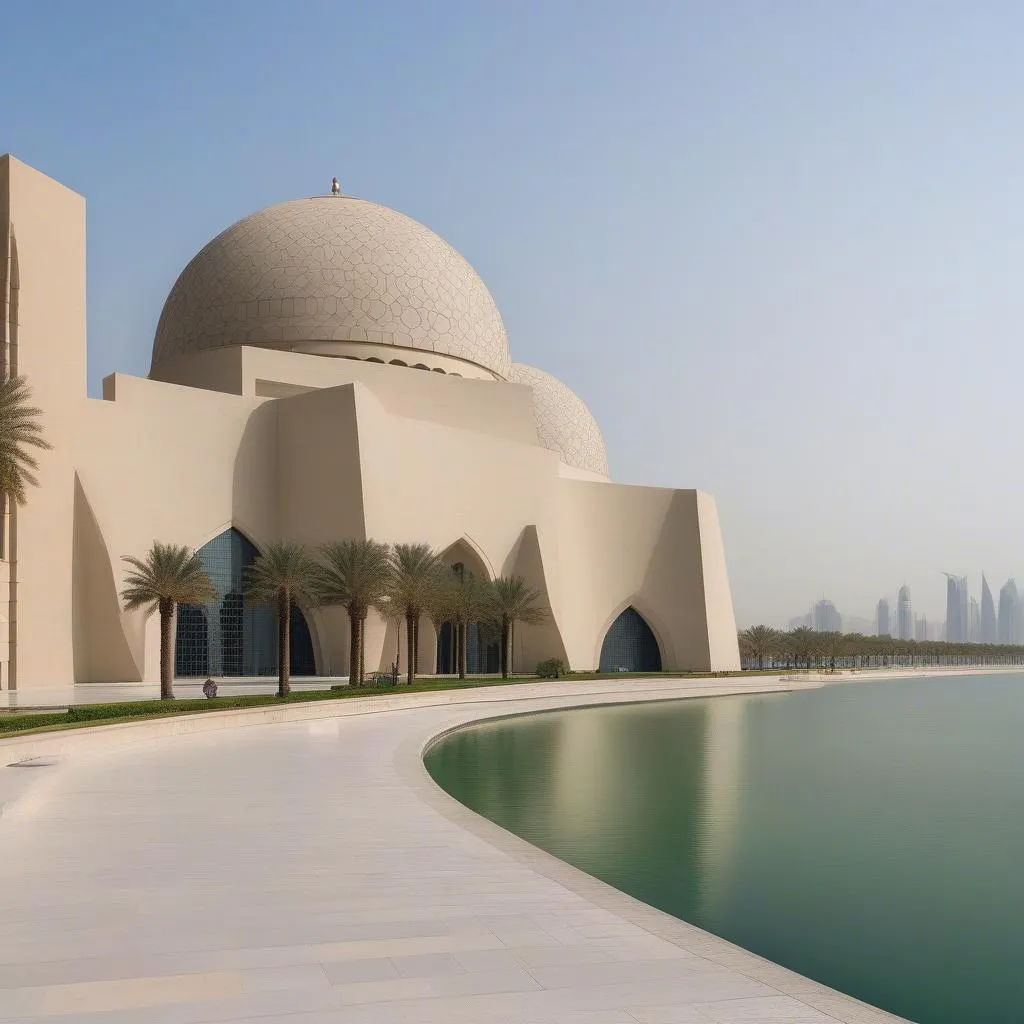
(335, 187)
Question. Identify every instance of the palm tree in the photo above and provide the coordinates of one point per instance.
(19, 431)
(802, 643)
(513, 600)
(282, 575)
(416, 574)
(832, 646)
(356, 574)
(441, 603)
(759, 642)
(470, 602)
(170, 574)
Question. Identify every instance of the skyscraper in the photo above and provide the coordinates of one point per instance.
(882, 618)
(973, 622)
(1009, 613)
(921, 629)
(957, 625)
(989, 625)
(827, 618)
(904, 616)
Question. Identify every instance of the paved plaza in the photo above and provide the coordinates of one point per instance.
(298, 865)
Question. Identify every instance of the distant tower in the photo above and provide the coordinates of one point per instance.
(1009, 613)
(921, 629)
(974, 622)
(989, 624)
(882, 618)
(957, 624)
(826, 617)
(904, 615)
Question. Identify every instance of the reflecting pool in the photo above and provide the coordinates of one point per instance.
(870, 835)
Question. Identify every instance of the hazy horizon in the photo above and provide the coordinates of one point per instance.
(775, 248)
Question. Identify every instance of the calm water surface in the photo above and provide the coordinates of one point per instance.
(870, 836)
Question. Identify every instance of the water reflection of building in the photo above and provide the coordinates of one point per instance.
(722, 797)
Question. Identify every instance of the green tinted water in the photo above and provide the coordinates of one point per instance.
(870, 836)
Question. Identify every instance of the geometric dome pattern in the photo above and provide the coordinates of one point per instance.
(332, 269)
(564, 423)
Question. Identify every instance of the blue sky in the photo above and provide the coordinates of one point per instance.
(776, 247)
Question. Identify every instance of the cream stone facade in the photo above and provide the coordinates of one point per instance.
(325, 368)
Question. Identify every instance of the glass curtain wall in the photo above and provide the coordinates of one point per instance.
(232, 636)
(630, 646)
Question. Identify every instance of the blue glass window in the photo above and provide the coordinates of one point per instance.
(232, 636)
(630, 646)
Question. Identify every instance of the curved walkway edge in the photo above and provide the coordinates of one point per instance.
(297, 864)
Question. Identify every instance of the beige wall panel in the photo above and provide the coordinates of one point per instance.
(533, 643)
(487, 406)
(214, 370)
(638, 546)
(436, 484)
(179, 465)
(48, 225)
(102, 653)
(724, 648)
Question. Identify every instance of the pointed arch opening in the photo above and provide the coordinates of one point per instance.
(231, 635)
(482, 639)
(630, 645)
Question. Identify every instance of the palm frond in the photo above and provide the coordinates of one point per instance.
(513, 598)
(169, 572)
(417, 573)
(355, 574)
(20, 430)
(283, 568)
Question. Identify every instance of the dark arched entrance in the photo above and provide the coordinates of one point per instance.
(482, 647)
(231, 636)
(630, 646)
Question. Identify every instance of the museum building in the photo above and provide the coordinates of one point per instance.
(325, 368)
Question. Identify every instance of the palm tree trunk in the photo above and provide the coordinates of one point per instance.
(462, 632)
(284, 643)
(353, 646)
(505, 630)
(416, 646)
(410, 641)
(362, 649)
(512, 647)
(166, 650)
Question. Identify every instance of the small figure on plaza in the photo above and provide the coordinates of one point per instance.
(335, 187)
(210, 689)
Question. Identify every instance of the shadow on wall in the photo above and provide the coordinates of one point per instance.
(533, 643)
(103, 652)
(256, 494)
(675, 579)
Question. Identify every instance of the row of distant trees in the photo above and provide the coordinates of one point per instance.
(404, 582)
(762, 647)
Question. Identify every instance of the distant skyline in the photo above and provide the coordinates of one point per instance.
(762, 241)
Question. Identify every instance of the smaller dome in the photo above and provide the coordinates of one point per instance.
(564, 423)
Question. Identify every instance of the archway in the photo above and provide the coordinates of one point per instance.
(482, 642)
(232, 636)
(630, 645)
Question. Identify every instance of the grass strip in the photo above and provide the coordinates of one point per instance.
(94, 714)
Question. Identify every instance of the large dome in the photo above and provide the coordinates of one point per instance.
(313, 274)
(564, 423)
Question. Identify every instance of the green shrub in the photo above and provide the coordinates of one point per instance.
(551, 668)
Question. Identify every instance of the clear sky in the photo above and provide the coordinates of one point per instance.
(778, 248)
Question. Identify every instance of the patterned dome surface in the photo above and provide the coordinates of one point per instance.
(332, 269)
(564, 423)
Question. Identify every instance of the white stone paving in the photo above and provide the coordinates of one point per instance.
(309, 871)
